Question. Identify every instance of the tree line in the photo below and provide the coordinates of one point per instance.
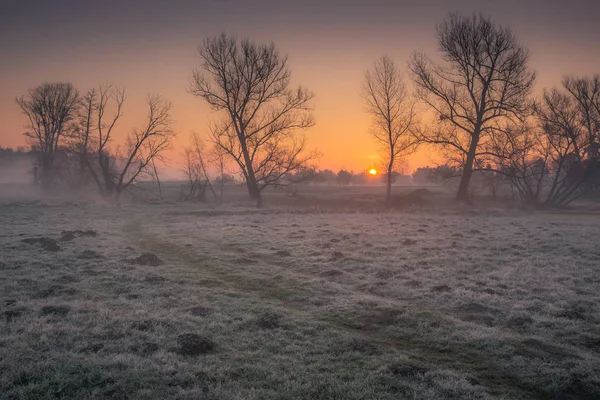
(473, 103)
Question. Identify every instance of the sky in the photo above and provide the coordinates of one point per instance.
(150, 47)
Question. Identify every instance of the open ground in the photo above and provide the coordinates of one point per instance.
(301, 301)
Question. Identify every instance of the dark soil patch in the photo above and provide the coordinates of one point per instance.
(92, 348)
(519, 322)
(385, 274)
(409, 242)
(364, 347)
(268, 320)
(147, 325)
(200, 311)
(474, 308)
(441, 288)
(191, 344)
(385, 317)
(413, 283)
(331, 273)
(90, 255)
(154, 279)
(59, 311)
(246, 261)
(209, 282)
(67, 236)
(406, 370)
(372, 320)
(50, 291)
(11, 315)
(45, 243)
(91, 271)
(478, 313)
(149, 259)
(143, 326)
(575, 312)
(336, 256)
(590, 342)
(488, 291)
(144, 349)
(579, 390)
(67, 279)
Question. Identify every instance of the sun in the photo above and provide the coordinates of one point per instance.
(372, 171)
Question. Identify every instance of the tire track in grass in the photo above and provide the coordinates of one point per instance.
(287, 290)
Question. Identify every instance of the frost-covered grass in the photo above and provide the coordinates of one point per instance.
(293, 303)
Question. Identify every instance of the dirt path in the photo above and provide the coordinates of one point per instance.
(287, 293)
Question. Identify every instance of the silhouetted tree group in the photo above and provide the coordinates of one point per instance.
(483, 117)
(80, 130)
(474, 105)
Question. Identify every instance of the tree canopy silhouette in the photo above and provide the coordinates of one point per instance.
(392, 111)
(482, 81)
(262, 114)
(50, 108)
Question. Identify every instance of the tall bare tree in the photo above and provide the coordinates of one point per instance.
(251, 85)
(392, 111)
(114, 171)
(50, 108)
(483, 79)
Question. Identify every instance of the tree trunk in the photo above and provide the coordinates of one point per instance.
(82, 170)
(221, 189)
(253, 189)
(465, 179)
(259, 200)
(46, 171)
(388, 192)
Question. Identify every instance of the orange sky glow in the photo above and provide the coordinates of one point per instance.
(328, 53)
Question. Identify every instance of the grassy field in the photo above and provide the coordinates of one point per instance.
(297, 302)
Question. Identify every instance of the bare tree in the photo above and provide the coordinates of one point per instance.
(113, 171)
(392, 111)
(520, 153)
(96, 132)
(554, 159)
(251, 85)
(82, 138)
(146, 145)
(571, 123)
(50, 108)
(196, 171)
(218, 159)
(483, 80)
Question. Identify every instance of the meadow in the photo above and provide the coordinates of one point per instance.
(302, 299)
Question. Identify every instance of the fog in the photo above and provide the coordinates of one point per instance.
(16, 170)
